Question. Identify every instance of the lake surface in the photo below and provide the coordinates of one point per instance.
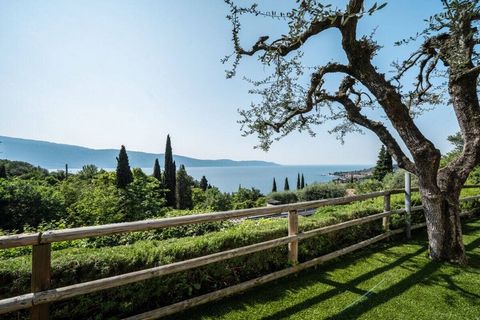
(228, 179)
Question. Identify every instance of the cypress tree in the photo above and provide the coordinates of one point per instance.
(380, 170)
(388, 163)
(169, 174)
(286, 187)
(124, 174)
(3, 171)
(298, 181)
(157, 173)
(184, 189)
(302, 183)
(274, 187)
(203, 183)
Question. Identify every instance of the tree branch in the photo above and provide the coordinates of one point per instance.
(286, 45)
(316, 82)
(353, 114)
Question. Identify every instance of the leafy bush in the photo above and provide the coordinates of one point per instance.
(283, 197)
(28, 202)
(23, 170)
(321, 191)
(368, 185)
(246, 198)
(212, 200)
(396, 180)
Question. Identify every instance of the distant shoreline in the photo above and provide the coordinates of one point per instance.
(347, 176)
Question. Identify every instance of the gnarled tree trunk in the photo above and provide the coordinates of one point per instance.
(442, 213)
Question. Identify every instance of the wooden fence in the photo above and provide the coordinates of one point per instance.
(41, 293)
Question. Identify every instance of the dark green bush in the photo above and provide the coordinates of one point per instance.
(368, 185)
(283, 197)
(321, 191)
(28, 202)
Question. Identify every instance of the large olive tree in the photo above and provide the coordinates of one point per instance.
(446, 71)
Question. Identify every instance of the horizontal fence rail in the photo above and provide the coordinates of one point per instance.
(22, 240)
(145, 225)
(41, 296)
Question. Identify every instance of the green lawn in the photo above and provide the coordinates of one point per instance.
(389, 281)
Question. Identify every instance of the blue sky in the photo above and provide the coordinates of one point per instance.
(111, 72)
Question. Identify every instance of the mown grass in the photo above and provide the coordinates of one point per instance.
(388, 281)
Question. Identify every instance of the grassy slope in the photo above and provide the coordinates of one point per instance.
(388, 281)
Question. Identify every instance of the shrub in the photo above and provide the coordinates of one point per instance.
(28, 202)
(321, 191)
(99, 201)
(368, 185)
(283, 197)
(396, 180)
(213, 200)
(246, 198)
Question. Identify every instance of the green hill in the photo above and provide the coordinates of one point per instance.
(54, 156)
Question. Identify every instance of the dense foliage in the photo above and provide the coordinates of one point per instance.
(315, 191)
(184, 189)
(29, 202)
(3, 171)
(31, 198)
(321, 191)
(22, 169)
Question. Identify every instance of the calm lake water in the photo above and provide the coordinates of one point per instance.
(228, 179)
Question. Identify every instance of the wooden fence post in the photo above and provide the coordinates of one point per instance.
(293, 230)
(408, 204)
(41, 269)
(386, 208)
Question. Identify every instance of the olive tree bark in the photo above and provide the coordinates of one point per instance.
(455, 48)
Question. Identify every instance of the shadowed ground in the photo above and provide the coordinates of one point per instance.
(390, 281)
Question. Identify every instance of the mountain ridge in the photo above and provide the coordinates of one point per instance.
(52, 155)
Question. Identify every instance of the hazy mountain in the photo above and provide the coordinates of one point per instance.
(54, 156)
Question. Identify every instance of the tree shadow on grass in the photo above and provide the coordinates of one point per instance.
(356, 310)
(342, 287)
(309, 278)
(296, 283)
